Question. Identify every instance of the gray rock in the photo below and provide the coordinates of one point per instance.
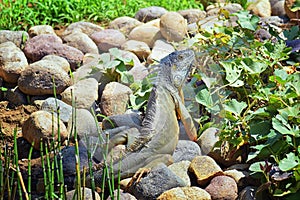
(124, 24)
(173, 26)
(150, 13)
(12, 62)
(145, 33)
(192, 15)
(57, 61)
(46, 44)
(222, 187)
(84, 27)
(85, 123)
(39, 126)
(139, 72)
(204, 168)
(81, 41)
(248, 193)
(277, 9)
(15, 97)
(185, 193)
(161, 48)
(85, 93)
(123, 195)
(141, 49)
(17, 37)
(115, 99)
(40, 29)
(208, 140)
(37, 79)
(186, 150)
(214, 9)
(65, 110)
(107, 39)
(181, 170)
(157, 181)
(87, 194)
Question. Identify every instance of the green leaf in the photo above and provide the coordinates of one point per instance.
(246, 20)
(235, 107)
(294, 81)
(233, 72)
(204, 98)
(291, 161)
(254, 66)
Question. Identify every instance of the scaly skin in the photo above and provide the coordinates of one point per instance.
(160, 131)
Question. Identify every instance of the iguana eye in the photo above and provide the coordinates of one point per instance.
(180, 57)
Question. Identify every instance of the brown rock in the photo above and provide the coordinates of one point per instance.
(39, 126)
(107, 39)
(46, 44)
(145, 33)
(222, 188)
(205, 168)
(84, 27)
(141, 49)
(261, 8)
(185, 193)
(173, 26)
(124, 24)
(40, 29)
(81, 41)
(192, 15)
(115, 98)
(85, 93)
(12, 62)
(37, 79)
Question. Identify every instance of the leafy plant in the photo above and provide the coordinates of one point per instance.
(256, 99)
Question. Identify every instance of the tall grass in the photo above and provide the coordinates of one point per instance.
(22, 14)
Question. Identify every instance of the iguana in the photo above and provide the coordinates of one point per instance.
(159, 133)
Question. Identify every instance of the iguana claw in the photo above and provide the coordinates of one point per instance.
(138, 176)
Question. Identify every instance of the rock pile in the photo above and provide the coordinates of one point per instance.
(71, 66)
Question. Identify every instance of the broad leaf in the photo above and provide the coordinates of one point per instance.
(289, 162)
(235, 107)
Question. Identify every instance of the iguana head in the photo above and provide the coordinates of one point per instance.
(175, 67)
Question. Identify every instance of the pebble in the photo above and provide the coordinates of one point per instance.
(158, 180)
(150, 13)
(13, 62)
(192, 15)
(260, 8)
(40, 29)
(208, 139)
(185, 193)
(145, 33)
(186, 150)
(123, 195)
(114, 99)
(181, 170)
(248, 193)
(107, 39)
(140, 49)
(17, 37)
(39, 46)
(84, 27)
(222, 188)
(39, 126)
(173, 26)
(204, 168)
(124, 24)
(84, 92)
(84, 123)
(40, 76)
(65, 110)
(81, 41)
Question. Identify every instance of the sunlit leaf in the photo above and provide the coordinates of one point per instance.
(235, 107)
(289, 162)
